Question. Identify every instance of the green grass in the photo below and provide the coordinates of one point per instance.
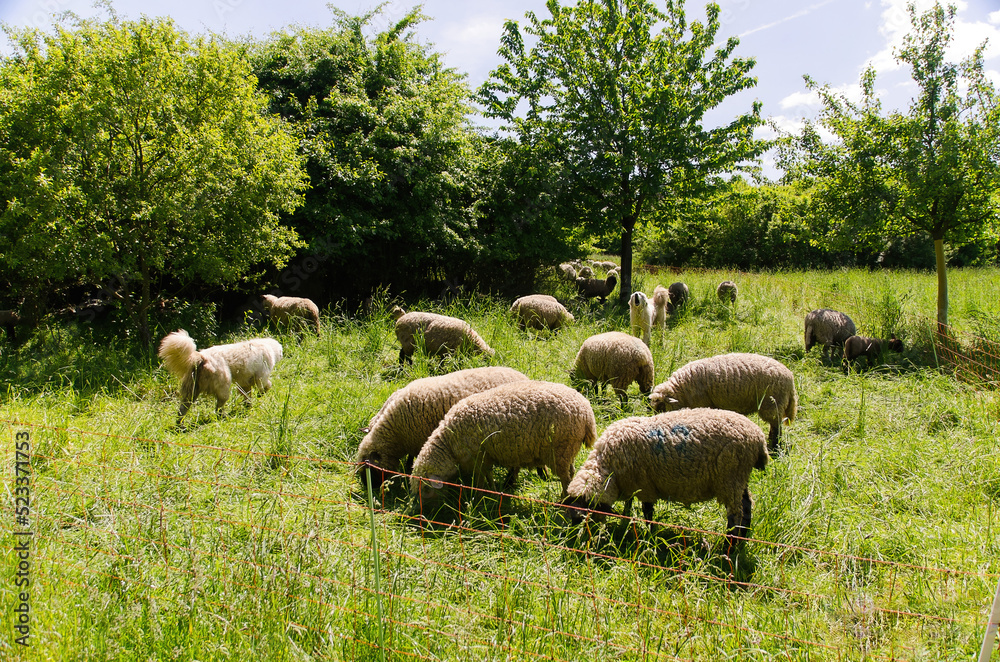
(250, 538)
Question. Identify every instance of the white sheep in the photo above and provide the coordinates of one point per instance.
(440, 334)
(617, 359)
(727, 291)
(517, 425)
(678, 297)
(248, 364)
(568, 271)
(398, 431)
(540, 311)
(641, 312)
(585, 272)
(661, 297)
(744, 383)
(829, 328)
(291, 310)
(687, 457)
(590, 288)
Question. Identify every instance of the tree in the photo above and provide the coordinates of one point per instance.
(389, 149)
(621, 107)
(131, 152)
(933, 170)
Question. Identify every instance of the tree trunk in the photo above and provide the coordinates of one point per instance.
(942, 278)
(625, 287)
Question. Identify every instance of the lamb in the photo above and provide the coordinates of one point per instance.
(727, 291)
(871, 348)
(441, 334)
(590, 288)
(617, 359)
(641, 312)
(540, 311)
(516, 425)
(688, 456)
(214, 370)
(408, 417)
(661, 297)
(678, 297)
(743, 383)
(829, 328)
(291, 310)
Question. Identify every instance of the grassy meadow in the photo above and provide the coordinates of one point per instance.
(874, 534)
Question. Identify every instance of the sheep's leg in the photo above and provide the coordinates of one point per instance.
(738, 523)
(647, 514)
(511, 479)
(774, 435)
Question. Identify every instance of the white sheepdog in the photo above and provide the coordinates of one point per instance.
(641, 311)
(213, 370)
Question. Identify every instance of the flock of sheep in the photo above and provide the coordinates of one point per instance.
(698, 444)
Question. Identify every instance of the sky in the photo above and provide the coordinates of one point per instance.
(832, 41)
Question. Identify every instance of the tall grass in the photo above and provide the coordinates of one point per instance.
(250, 536)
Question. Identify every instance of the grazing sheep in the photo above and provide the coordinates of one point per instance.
(829, 328)
(661, 297)
(617, 359)
(408, 417)
(9, 320)
(568, 271)
(214, 370)
(743, 383)
(727, 291)
(688, 457)
(640, 311)
(441, 334)
(678, 297)
(516, 425)
(590, 288)
(291, 310)
(871, 348)
(540, 311)
(585, 272)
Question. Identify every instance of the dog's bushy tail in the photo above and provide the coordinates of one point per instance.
(179, 354)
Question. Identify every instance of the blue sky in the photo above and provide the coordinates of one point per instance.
(831, 40)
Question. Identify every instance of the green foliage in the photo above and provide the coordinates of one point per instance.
(391, 158)
(134, 153)
(616, 92)
(931, 171)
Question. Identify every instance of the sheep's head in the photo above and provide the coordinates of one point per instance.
(268, 300)
(663, 399)
(397, 312)
(611, 281)
(579, 508)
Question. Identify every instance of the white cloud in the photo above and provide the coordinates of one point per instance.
(995, 18)
(807, 99)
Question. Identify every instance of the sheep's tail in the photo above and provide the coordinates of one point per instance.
(793, 405)
(179, 354)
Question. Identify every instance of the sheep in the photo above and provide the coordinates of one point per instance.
(291, 310)
(871, 348)
(585, 272)
(727, 291)
(9, 319)
(408, 417)
(516, 425)
(215, 369)
(441, 334)
(607, 265)
(829, 328)
(540, 311)
(661, 297)
(590, 288)
(568, 271)
(617, 359)
(739, 382)
(641, 311)
(678, 296)
(688, 456)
